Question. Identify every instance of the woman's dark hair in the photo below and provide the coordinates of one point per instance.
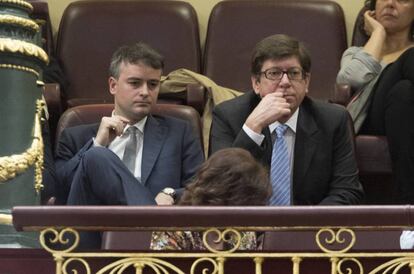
(230, 176)
(370, 4)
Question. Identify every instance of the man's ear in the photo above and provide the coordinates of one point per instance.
(112, 85)
(255, 83)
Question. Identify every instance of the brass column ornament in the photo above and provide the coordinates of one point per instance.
(21, 145)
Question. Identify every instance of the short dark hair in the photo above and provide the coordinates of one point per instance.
(231, 176)
(279, 46)
(370, 4)
(135, 54)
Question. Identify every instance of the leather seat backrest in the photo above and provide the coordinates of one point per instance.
(236, 26)
(90, 31)
(88, 114)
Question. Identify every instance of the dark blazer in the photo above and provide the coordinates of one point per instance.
(324, 171)
(49, 174)
(171, 153)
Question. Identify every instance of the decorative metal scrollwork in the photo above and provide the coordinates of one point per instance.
(348, 268)
(229, 236)
(157, 265)
(338, 239)
(394, 266)
(214, 270)
(67, 239)
(67, 268)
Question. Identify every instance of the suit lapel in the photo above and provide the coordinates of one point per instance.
(267, 146)
(154, 137)
(307, 133)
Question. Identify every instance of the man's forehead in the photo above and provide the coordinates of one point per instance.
(137, 78)
(140, 71)
(140, 64)
(289, 60)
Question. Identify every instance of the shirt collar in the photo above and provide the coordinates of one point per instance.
(140, 124)
(291, 123)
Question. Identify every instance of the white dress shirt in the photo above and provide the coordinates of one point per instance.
(117, 146)
(290, 135)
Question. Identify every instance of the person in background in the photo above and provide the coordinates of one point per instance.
(307, 144)
(230, 177)
(381, 74)
(49, 177)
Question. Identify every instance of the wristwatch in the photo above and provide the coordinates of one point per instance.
(170, 192)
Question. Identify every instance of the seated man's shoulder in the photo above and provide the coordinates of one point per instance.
(328, 115)
(327, 109)
(238, 104)
(81, 129)
(171, 120)
(175, 125)
(79, 134)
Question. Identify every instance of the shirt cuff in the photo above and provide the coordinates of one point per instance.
(95, 143)
(407, 239)
(256, 137)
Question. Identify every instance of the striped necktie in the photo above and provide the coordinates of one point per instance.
(131, 149)
(280, 169)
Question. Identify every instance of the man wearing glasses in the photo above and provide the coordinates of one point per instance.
(306, 144)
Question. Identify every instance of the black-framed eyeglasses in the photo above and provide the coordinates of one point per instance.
(277, 74)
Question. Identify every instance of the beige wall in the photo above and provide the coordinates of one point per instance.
(203, 8)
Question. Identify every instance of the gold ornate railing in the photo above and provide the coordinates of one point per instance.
(336, 245)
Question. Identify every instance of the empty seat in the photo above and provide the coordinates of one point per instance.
(236, 26)
(90, 31)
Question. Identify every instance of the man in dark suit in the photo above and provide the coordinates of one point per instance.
(49, 179)
(132, 157)
(321, 166)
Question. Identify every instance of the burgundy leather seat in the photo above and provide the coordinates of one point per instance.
(236, 26)
(90, 31)
(88, 114)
